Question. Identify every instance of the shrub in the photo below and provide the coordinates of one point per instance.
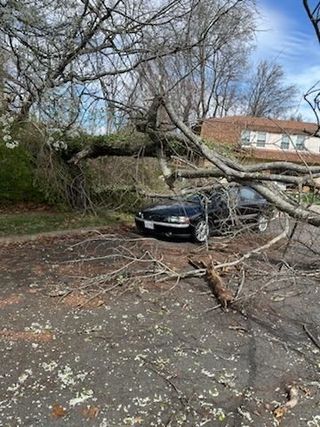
(17, 176)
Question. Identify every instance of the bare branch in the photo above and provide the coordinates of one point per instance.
(314, 16)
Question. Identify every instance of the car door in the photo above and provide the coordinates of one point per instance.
(249, 204)
(219, 207)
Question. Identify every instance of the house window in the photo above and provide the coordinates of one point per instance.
(300, 142)
(261, 139)
(285, 142)
(245, 137)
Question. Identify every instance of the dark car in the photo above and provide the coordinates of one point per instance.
(203, 214)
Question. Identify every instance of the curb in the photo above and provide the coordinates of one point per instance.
(25, 238)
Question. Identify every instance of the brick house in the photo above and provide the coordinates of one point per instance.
(262, 139)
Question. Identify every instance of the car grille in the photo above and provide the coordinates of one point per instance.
(154, 217)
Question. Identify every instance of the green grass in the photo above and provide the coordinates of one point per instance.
(308, 198)
(311, 199)
(40, 222)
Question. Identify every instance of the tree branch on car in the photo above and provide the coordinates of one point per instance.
(234, 171)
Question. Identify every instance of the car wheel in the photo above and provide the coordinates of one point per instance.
(262, 223)
(200, 232)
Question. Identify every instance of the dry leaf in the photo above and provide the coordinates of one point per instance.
(58, 411)
(280, 412)
(90, 411)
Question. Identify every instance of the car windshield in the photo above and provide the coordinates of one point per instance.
(194, 198)
(199, 198)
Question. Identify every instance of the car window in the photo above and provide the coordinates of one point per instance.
(229, 196)
(223, 199)
(197, 198)
(248, 194)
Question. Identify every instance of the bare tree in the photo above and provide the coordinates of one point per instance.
(202, 81)
(266, 93)
(53, 46)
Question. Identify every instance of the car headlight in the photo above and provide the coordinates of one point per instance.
(178, 219)
(140, 215)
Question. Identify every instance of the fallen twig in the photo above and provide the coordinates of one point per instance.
(213, 308)
(238, 328)
(313, 338)
(267, 245)
(292, 402)
(167, 378)
(241, 284)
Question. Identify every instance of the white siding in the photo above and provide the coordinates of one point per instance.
(273, 142)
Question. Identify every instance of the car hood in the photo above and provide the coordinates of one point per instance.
(173, 209)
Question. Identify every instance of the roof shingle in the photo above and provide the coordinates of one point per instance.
(266, 124)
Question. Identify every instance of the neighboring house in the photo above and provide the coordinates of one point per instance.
(266, 139)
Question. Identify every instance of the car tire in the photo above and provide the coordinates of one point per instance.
(263, 222)
(200, 231)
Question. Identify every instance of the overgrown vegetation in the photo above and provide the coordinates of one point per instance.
(38, 170)
(17, 176)
(39, 222)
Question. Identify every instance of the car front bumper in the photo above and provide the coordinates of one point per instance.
(166, 228)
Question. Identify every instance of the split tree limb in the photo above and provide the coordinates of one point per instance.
(223, 295)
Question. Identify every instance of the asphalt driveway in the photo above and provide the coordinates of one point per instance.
(153, 353)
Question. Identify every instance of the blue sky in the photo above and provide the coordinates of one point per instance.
(286, 36)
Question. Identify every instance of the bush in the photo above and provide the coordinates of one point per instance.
(17, 176)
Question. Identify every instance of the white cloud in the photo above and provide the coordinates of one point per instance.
(280, 39)
(272, 32)
(305, 78)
